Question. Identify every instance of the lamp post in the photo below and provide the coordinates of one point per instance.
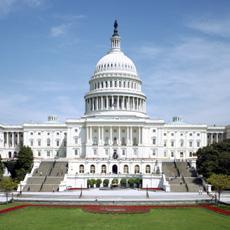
(147, 192)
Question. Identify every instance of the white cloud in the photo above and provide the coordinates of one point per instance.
(219, 27)
(7, 6)
(60, 30)
(191, 78)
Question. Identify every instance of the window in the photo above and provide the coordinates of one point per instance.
(114, 141)
(39, 153)
(39, 142)
(39, 133)
(31, 142)
(57, 133)
(165, 134)
(103, 169)
(190, 143)
(135, 141)
(165, 143)
(31, 133)
(76, 152)
(106, 152)
(198, 144)
(190, 134)
(181, 154)
(81, 169)
(95, 141)
(123, 152)
(172, 134)
(95, 152)
(137, 169)
(92, 168)
(165, 153)
(198, 134)
(190, 154)
(57, 142)
(154, 152)
(106, 141)
(126, 169)
(172, 154)
(123, 141)
(76, 140)
(48, 142)
(147, 169)
(154, 141)
(154, 130)
(172, 143)
(181, 143)
(135, 151)
(48, 153)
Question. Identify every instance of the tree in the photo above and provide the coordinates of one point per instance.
(219, 182)
(105, 183)
(1, 168)
(7, 185)
(98, 183)
(214, 158)
(24, 162)
(137, 181)
(131, 182)
(123, 182)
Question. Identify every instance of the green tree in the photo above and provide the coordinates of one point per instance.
(219, 182)
(131, 182)
(105, 183)
(1, 168)
(24, 162)
(7, 185)
(98, 183)
(214, 158)
(137, 182)
(123, 182)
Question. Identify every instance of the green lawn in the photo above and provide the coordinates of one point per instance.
(42, 218)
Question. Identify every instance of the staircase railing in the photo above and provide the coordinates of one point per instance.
(177, 169)
(186, 185)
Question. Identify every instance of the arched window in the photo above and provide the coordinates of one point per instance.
(126, 169)
(81, 169)
(103, 169)
(147, 169)
(92, 168)
(137, 169)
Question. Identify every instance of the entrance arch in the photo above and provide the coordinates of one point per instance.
(114, 169)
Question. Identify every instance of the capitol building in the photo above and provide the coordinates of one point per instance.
(115, 138)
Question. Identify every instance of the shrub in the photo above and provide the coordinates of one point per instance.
(98, 183)
(105, 183)
(131, 182)
(137, 181)
(123, 182)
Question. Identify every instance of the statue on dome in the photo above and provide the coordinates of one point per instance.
(115, 25)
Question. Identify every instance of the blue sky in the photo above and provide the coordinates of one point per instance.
(49, 49)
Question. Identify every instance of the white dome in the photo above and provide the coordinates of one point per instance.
(115, 61)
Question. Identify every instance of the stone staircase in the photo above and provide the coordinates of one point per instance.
(181, 177)
(47, 177)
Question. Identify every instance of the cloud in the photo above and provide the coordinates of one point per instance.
(219, 27)
(7, 6)
(190, 77)
(60, 30)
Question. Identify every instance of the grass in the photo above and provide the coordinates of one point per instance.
(37, 218)
(3, 206)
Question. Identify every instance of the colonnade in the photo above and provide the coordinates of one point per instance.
(117, 135)
(115, 103)
(12, 139)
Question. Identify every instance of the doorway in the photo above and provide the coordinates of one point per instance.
(114, 169)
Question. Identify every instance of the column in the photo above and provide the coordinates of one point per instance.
(128, 103)
(102, 103)
(107, 102)
(102, 135)
(122, 103)
(97, 103)
(99, 135)
(18, 140)
(139, 135)
(119, 136)
(110, 136)
(12, 139)
(90, 134)
(127, 135)
(131, 135)
(133, 104)
(7, 139)
(112, 103)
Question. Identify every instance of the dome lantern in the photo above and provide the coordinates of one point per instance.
(115, 40)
